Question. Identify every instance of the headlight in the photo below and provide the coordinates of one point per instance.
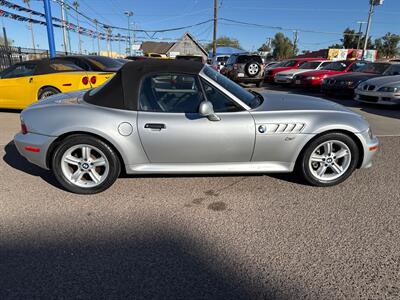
(389, 89)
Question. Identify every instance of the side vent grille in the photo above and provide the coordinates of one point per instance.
(276, 128)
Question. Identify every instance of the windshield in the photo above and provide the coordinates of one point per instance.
(309, 65)
(374, 68)
(336, 66)
(105, 63)
(248, 98)
(288, 63)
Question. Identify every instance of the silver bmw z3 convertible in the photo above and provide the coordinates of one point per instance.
(181, 117)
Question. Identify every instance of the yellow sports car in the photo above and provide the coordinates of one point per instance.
(30, 81)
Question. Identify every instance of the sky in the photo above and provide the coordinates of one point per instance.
(329, 18)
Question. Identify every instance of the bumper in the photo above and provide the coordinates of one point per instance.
(283, 80)
(338, 90)
(370, 147)
(383, 98)
(303, 83)
(34, 147)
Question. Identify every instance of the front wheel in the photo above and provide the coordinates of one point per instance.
(83, 164)
(329, 159)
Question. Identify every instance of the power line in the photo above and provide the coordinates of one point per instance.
(236, 22)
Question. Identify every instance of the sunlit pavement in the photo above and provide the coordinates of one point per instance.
(202, 237)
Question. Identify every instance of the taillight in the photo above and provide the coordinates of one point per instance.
(24, 129)
(85, 80)
(93, 80)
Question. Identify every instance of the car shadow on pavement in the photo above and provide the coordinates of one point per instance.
(150, 264)
(17, 161)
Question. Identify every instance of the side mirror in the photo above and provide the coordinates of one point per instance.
(206, 109)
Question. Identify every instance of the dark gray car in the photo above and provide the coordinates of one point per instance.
(246, 68)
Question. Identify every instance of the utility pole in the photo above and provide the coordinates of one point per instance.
(129, 14)
(295, 41)
(31, 27)
(64, 27)
(360, 33)
(372, 3)
(76, 5)
(97, 34)
(215, 28)
(6, 42)
(50, 29)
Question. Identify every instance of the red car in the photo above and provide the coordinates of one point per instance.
(314, 78)
(289, 64)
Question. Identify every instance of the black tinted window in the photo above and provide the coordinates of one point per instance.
(173, 93)
(105, 63)
(219, 100)
(19, 71)
(374, 68)
(393, 70)
(244, 59)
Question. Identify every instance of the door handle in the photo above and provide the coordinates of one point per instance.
(30, 80)
(157, 126)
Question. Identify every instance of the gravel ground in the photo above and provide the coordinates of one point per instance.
(218, 237)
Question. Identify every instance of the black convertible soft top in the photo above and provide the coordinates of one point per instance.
(122, 91)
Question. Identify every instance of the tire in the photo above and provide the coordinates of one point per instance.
(85, 172)
(47, 92)
(259, 84)
(252, 69)
(313, 160)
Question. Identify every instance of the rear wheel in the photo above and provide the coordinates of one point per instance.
(329, 160)
(47, 92)
(85, 165)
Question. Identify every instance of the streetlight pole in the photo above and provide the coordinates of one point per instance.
(64, 27)
(31, 27)
(97, 34)
(372, 3)
(76, 5)
(129, 14)
(215, 28)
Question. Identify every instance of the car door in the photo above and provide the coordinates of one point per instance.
(17, 85)
(172, 131)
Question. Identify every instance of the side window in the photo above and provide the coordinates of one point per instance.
(171, 93)
(19, 71)
(355, 66)
(219, 100)
(393, 70)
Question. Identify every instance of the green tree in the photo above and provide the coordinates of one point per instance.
(224, 41)
(282, 45)
(389, 47)
(350, 39)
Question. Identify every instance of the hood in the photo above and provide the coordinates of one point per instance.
(384, 81)
(285, 102)
(65, 98)
(355, 76)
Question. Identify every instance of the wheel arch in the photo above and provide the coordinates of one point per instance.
(44, 87)
(343, 131)
(63, 136)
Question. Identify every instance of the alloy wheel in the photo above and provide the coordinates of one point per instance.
(330, 160)
(85, 166)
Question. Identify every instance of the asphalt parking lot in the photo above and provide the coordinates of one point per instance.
(203, 237)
